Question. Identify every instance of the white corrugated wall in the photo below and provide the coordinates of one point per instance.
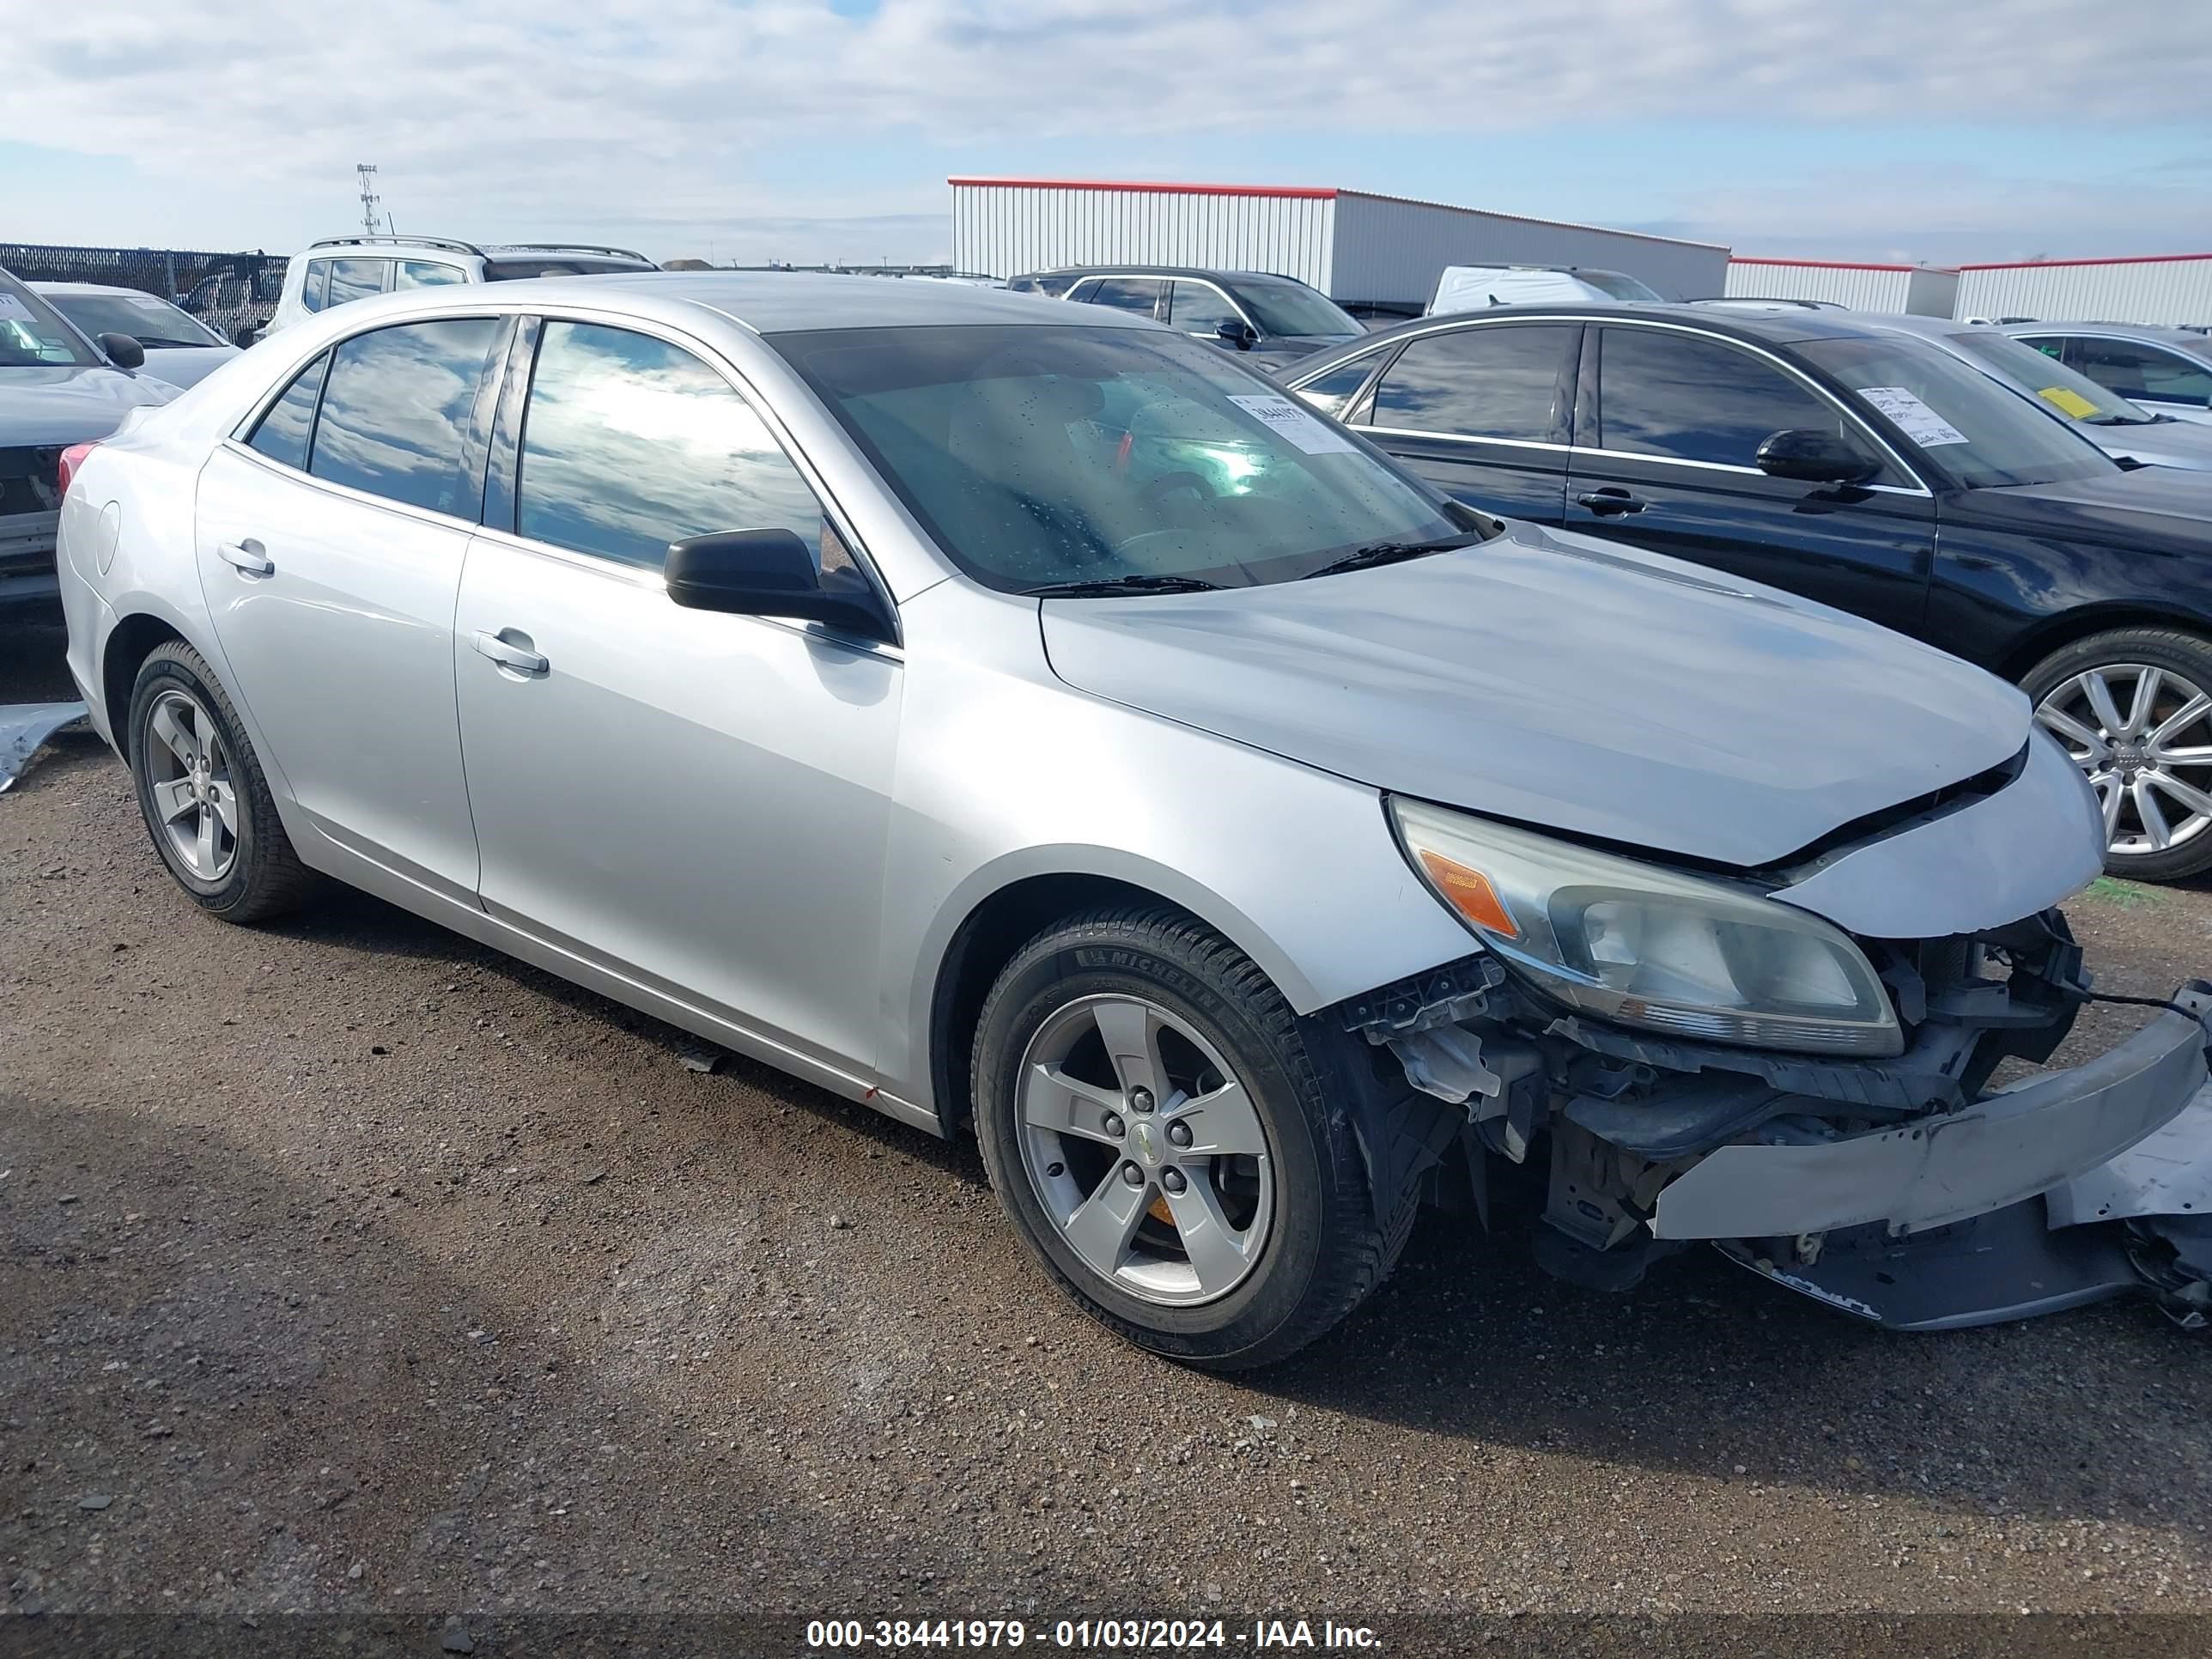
(1862, 287)
(1002, 230)
(2163, 291)
(1393, 250)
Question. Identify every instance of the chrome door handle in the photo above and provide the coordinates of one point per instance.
(519, 658)
(248, 556)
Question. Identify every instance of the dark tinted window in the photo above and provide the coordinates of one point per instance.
(1197, 309)
(1054, 283)
(1698, 400)
(1137, 293)
(1483, 382)
(395, 412)
(2142, 371)
(289, 423)
(314, 288)
(630, 443)
(1329, 391)
(354, 279)
(1280, 306)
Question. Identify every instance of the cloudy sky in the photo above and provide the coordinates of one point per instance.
(807, 130)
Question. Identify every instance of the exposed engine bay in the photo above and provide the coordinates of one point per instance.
(1912, 1191)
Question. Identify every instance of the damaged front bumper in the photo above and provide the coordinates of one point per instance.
(1904, 1192)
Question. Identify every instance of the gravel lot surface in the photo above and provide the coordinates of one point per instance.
(348, 1265)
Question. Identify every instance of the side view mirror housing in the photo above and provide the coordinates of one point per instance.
(1813, 455)
(770, 573)
(123, 351)
(1239, 333)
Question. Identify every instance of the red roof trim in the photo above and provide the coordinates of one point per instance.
(1837, 264)
(1303, 192)
(2137, 259)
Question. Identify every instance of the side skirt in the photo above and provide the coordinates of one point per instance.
(357, 869)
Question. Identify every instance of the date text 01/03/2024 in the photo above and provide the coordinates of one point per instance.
(825, 1635)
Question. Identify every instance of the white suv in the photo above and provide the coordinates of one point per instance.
(342, 268)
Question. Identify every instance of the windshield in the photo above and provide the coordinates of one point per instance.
(149, 321)
(1980, 434)
(2031, 370)
(1617, 285)
(31, 336)
(1281, 306)
(1040, 455)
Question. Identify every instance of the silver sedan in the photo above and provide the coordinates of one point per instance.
(1032, 723)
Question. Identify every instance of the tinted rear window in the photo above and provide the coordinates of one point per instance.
(396, 411)
(286, 430)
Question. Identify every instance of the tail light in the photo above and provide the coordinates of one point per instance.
(72, 459)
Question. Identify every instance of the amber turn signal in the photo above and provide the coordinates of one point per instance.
(1469, 892)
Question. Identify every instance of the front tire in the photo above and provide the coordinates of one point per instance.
(1155, 1124)
(2134, 708)
(202, 792)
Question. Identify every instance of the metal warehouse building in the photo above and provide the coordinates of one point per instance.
(1354, 247)
(2163, 288)
(1923, 290)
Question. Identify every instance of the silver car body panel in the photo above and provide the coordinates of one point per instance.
(1929, 1172)
(1565, 683)
(2183, 343)
(2168, 1172)
(2008, 855)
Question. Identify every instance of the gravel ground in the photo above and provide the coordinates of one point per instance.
(349, 1267)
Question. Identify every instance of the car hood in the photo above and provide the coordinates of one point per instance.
(2161, 508)
(187, 366)
(2160, 443)
(71, 404)
(1565, 683)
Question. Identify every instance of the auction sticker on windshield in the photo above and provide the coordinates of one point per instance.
(1289, 420)
(2066, 398)
(1914, 418)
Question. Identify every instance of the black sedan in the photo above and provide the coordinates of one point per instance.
(1860, 467)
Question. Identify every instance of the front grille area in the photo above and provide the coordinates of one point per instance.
(30, 504)
(30, 480)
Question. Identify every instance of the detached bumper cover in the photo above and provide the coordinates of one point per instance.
(2060, 1130)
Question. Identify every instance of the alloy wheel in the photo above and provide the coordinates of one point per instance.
(1146, 1150)
(189, 777)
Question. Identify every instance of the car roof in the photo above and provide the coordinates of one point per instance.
(94, 287)
(1935, 328)
(1204, 273)
(2133, 331)
(782, 302)
(1759, 327)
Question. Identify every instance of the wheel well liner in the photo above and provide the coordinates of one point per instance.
(128, 644)
(984, 942)
(2059, 632)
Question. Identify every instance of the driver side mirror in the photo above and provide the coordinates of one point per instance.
(1239, 333)
(123, 351)
(1814, 455)
(770, 573)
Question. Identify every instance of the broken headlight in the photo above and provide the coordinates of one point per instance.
(1686, 954)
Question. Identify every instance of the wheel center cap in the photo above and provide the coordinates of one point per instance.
(1146, 1140)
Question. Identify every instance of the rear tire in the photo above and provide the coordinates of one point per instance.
(1224, 1259)
(203, 794)
(2149, 757)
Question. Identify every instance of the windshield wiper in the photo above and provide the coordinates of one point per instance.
(2121, 420)
(1135, 583)
(1377, 553)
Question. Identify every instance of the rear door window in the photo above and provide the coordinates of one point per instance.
(355, 279)
(1480, 383)
(630, 443)
(287, 429)
(1138, 293)
(1688, 400)
(395, 413)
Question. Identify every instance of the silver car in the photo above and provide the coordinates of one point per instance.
(1028, 721)
(2122, 430)
(2165, 370)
